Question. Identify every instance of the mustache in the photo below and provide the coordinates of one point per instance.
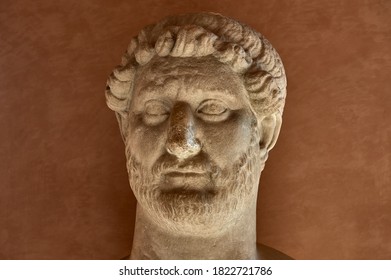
(200, 163)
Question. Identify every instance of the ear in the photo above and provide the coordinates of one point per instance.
(123, 124)
(270, 127)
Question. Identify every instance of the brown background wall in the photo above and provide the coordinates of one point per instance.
(325, 193)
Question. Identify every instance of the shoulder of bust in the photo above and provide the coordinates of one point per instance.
(269, 253)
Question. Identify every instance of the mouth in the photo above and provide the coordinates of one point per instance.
(194, 180)
(185, 170)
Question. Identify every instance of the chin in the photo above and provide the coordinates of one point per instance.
(191, 213)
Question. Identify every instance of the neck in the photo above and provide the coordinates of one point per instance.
(238, 241)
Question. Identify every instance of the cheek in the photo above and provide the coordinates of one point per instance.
(225, 142)
(146, 143)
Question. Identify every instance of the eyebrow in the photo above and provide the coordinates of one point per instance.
(153, 91)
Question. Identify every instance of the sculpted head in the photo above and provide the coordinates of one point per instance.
(199, 100)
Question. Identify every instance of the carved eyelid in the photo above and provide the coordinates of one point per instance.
(217, 107)
(156, 107)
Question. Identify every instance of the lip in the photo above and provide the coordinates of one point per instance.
(190, 180)
(184, 172)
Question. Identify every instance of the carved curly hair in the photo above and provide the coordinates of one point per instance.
(203, 34)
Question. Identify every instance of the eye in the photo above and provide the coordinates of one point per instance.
(213, 110)
(155, 112)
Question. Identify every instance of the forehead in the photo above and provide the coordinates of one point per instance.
(171, 76)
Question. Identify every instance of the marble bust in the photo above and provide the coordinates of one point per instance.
(199, 101)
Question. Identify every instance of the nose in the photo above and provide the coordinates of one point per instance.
(181, 141)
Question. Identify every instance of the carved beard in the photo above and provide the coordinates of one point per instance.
(230, 192)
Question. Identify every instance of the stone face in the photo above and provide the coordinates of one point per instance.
(199, 100)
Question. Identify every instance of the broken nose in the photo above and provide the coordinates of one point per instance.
(182, 143)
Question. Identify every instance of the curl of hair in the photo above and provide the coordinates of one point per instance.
(202, 34)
